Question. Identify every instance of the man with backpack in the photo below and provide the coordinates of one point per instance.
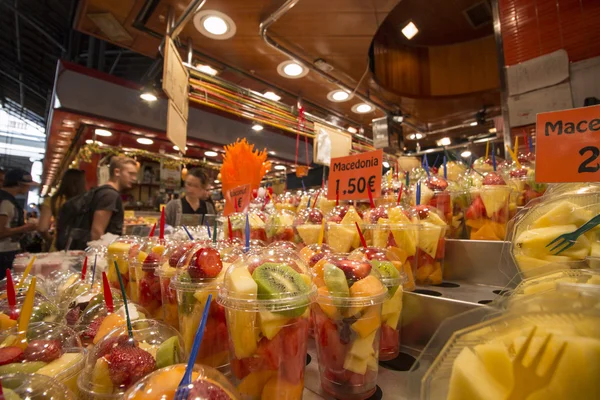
(90, 215)
(12, 217)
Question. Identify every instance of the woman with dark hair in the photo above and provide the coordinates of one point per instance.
(71, 185)
(196, 200)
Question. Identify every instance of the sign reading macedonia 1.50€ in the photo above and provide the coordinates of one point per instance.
(568, 146)
(350, 176)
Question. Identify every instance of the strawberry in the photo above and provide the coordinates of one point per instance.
(128, 364)
(206, 263)
(43, 350)
(258, 234)
(109, 344)
(91, 331)
(10, 354)
(151, 260)
(72, 316)
(436, 183)
(422, 211)
(476, 210)
(203, 389)
(179, 253)
(354, 270)
(492, 178)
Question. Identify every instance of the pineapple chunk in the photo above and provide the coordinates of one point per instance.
(61, 364)
(497, 361)
(356, 365)
(533, 242)
(101, 378)
(362, 348)
(340, 237)
(242, 324)
(471, 380)
(309, 233)
(494, 198)
(563, 213)
(270, 323)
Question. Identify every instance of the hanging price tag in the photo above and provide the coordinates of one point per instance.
(349, 176)
(237, 199)
(568, 146)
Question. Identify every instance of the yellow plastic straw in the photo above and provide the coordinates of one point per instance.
(487, 150)
(26, 273)
(321, 233)
(25, 316)
(513, 156)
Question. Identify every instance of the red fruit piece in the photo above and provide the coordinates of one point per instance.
(207, 390)
(332, 351)
(10, 354)
(315, 216)
(436, 183)
(294, 337)
(518, 173)
(476, 210)
(492, 178)
(127, 365)
(43, 350)
(91, 331)
(422, 211)
(73, 316)
(178, 253)
(258, 234)
(354, 270)
(206, 263)
(151, 260)
(109, 344)
(373, 253)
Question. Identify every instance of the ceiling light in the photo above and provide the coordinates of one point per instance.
(207, 69)
(103, 132)
(465, 154)
(214, 24)
(386, 164)
(147, 96)
(211, 153)
(352, 129)
(68, 123)
(280, 167)
(176, 148)
(474, 123)
(338, 96)
(272, 153)
(65, 134)
(492, 130)
(257, 127)
(144, 141)
(415, 136)
(291, 69)
(362, 108)
(410, 30)
(217, 181)
(444, 141)
(271, 96)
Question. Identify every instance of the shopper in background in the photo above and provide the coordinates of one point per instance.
(196, 200)
(12, 217)
(1, 177)
(72, 184)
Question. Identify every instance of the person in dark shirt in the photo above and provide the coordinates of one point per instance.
(196, 200)
(107, 206)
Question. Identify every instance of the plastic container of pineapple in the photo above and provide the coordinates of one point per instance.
(46, 348)
(547, 220)
(33, 386)
(428, 260)
(118, 251)
(554, 275)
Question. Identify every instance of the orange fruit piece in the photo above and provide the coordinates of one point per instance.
(280, 389)
(369, 286)
(252, 385)
(108, 324)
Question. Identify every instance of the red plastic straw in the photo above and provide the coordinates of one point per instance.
(84, 269)
(337, 198)
(235, 206)
(229, 228)
(370, 196)
(162, 224)
(316, 198)
(11, 294)
(362, 238)
(400, 194)
(152, 230)
(107, 294)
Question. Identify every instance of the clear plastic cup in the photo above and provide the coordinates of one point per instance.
(43, 311)
(488, 212)
(340, 232)
(46, 348)
(428, 261)
(41, 286)
(307, 226)
(347, 317)
(207, 383)
(266, 296)
(199, 274)
(116, 363)
(280, 226)
(435, 193)
(34, 386)
(457, 228)
(118, 251)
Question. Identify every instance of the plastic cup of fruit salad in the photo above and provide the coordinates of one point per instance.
(207, 383)
(116, 362)
(43, 311)
(267, 296)
(340, 232)
(21, 386)
(280, 226)
(46, 348)
(307, 226)
(347, 317)
(119, 251)
(435, 193)
(428, 258)
(199, 273)
(488, 212)
(457, 228)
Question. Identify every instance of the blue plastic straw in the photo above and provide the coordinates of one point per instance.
(247, 233)
(308, 204)
(530, 142)
(208, 229)
(445, 169)
(188, 232)
(494, 156)
(418, 197)
(94, 270)
(427, 166)
(303, 187)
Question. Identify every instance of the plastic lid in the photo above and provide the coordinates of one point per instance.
(312, 253)
(276, 280)
(120, 247)
(34, 386)
(309, 216)
(372, 215)
(385, 261)
(43, 309)
(150, 252)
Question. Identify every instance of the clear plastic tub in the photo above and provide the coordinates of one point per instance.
(34, 387)
(115, 363)
(207, 383)
(266, 296)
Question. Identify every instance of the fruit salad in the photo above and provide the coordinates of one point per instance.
(46, 348)
(117, 362)
(435, 193)
(280, 226)
(428, 260)
(308, 224)
(266, 296)
(487, 214)
(200, 273)
(207, 383)
(522, 180)
(119, 251)
(23, 386)
(85, 302)
(43, 311)
(347, 318)
(341, 233)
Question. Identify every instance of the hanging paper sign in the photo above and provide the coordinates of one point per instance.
(568, 146)
(349, 176)
(238, 199)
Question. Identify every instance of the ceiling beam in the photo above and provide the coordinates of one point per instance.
(18, 81)
(18, 42)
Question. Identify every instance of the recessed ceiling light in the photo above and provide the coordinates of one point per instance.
(217, 181)
(272, 153)
(492, 130)
(176, 148)
(257, 127)
(65, 134)
(410, 30)
(280, 167)
(144, 141)
(386, 164)
(338, 96)
(352, 129)
(68, 123)
(444, 141)
(207, 69)
(211, 153)
(148, 96)
(214, 24)
(103, 132)
(415, 136)
(465, 154)
(362, 108)
(474, 123)
(271, 96)
(291, 69)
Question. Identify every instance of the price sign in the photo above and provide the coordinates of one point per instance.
(568, 146)
(349, 176)
(237, 199)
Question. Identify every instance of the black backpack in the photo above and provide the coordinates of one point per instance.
(74, 222)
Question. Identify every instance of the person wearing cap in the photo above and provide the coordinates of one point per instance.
(12, 217)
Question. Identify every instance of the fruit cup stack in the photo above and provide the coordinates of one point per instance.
(267, 297)
(347, 317)
(200, 273)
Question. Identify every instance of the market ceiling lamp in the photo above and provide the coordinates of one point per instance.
(148, 93)
(211, 153)
(257, 127)
(103, 132)
(291, 69)
(444, 141)
(474, 123)
(465, 154)
(362, 108)
(410, 30)
(339, 96)
(214, 24)
(352, 129)
(280, 167)
(416, 136)
(386, 164)
(272, 96)
(90, 141)
(207, 69)
(176, 148)
(144, 141)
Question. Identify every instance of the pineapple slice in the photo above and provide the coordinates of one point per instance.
(270, 323)
(564, 213)
(494, 198)
(309, 233)
(61, 364)
(362, 348)
(101, 378)
(471, 380)
(242, 324)
(533, 242)
(429, 237)
(340, 237)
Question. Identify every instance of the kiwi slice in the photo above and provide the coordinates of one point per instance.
(24, 367)
(276, 281)
(44, 312)
(168, 352)
(335, 280)
(389, 274)
(188, 301)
